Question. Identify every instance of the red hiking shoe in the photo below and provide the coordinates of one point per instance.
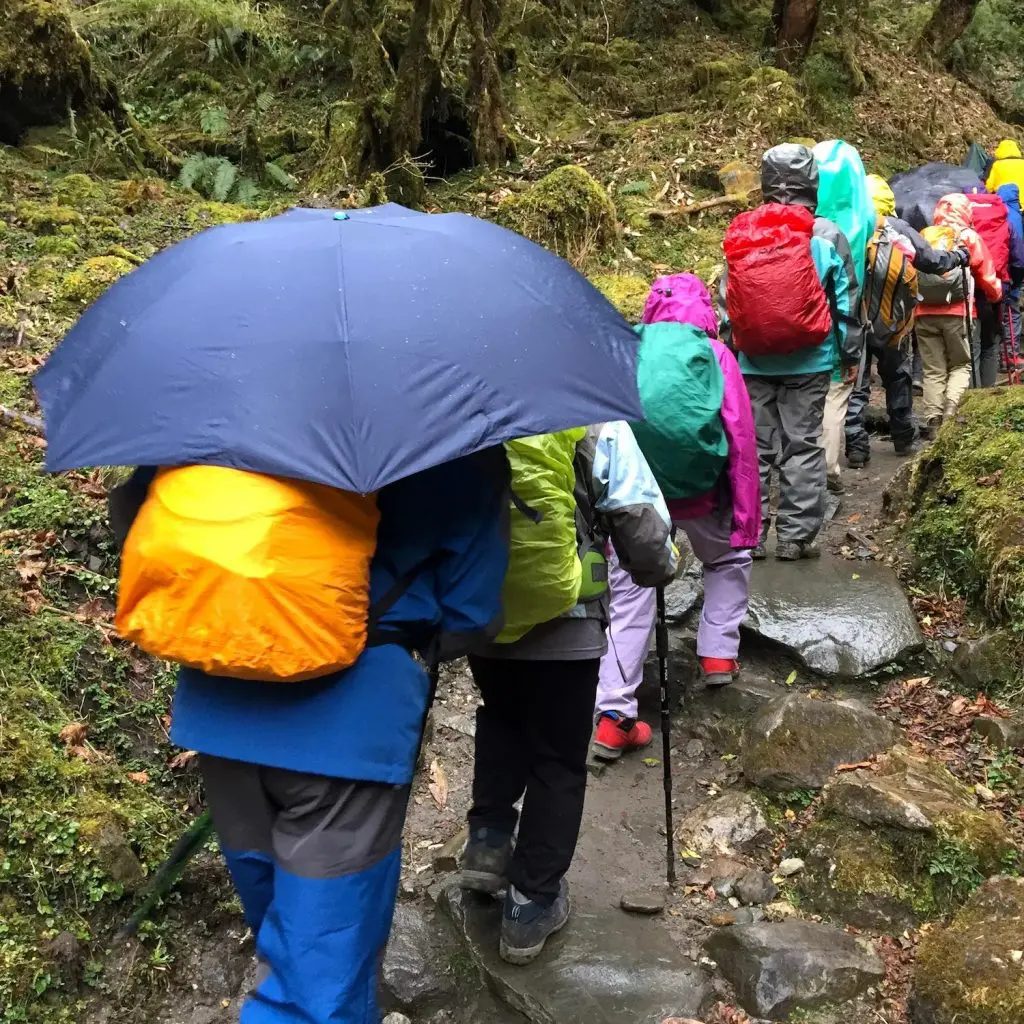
(718, 671)
(615, 735)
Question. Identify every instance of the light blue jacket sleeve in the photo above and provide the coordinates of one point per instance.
(628, 498)
(836, 282)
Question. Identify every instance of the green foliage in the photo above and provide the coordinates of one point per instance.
(214, 119)
(963, 518)
(956, 866)
(218, 178)
(93, 278)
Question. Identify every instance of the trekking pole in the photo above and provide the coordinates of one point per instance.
(1009, 355)
(661, 642)
(969, 326)
(168, 873)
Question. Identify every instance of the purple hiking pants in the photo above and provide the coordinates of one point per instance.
(726, 590)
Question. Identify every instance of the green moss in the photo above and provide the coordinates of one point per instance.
(92, 278)
(966, 972)
(47, 218)
(626, 292)
(964, 517)
(74, 189)
(567, 211)
(57, 245)
(203, 215)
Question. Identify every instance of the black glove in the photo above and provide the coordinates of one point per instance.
(964, 257)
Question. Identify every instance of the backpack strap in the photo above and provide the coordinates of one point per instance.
(408, 636)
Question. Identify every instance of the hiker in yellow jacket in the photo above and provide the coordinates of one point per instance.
(1007, 168)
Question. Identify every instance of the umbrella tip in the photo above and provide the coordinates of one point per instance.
(341, 215)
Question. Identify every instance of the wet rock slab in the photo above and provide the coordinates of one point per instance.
(605, 967)
(412, 972)
(797, 742)
(719, 714)
(835, 624)
(778, 968)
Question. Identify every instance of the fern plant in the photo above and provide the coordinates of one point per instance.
(217, 178)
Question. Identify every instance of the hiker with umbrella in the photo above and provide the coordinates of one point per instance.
(309, 356)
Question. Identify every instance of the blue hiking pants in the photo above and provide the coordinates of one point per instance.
(316, 863)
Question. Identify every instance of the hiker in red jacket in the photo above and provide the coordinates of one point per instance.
(942, 327)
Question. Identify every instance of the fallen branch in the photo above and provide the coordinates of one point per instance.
(21, 419)
(706, 204)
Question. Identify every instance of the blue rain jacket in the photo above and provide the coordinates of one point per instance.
(365, 722)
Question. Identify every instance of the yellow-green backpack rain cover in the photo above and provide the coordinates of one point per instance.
(544, 572)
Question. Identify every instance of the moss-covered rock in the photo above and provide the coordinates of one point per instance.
(972, 972)
(93, 278)
(74, 189)
(963, 512)
(626, 292)
(47, 218)
(567, 211)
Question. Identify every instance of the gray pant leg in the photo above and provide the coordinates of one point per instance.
(763, 392)
(801, 405)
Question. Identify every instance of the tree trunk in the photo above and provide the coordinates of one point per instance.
(948, 23)
(370, 78)
(794, 23)
(486, 101)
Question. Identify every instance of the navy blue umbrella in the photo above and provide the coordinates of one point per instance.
(349, 349)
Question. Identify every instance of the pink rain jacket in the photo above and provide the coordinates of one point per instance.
(683, 298)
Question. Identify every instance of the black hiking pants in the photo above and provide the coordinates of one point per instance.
(532, 737)
(896, 370)
(986, 343)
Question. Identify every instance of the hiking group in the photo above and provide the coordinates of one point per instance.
(309, 619)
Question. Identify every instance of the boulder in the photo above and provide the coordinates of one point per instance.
(797, 742)
(777, 968)
(906, 791)
(837, 619)
(860, 877)
(986, 663)
(719, 715)
(606, 967)
(739, 178)
(643, 901)
(567, 211)
(415, 957)
(1004, 733)
(734, 819)
(107, 839)
(972, 971)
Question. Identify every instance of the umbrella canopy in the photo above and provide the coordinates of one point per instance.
(350, 349)
(918, 191)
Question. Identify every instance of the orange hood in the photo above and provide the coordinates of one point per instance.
(954, 211)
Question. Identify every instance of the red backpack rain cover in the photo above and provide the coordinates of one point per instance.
(992, 222)
(774, 297)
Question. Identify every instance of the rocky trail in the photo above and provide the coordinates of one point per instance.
(833, 810)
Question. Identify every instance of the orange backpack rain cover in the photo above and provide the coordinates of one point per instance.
(249, 576)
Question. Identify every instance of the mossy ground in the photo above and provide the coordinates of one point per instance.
(965, 514)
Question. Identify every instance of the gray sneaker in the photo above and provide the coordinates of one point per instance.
(794, 550)
(526, 925)
(485, 861)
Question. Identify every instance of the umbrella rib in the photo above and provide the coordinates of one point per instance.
(357, 474)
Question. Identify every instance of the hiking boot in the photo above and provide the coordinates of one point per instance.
(485, 861)
(910, 447)
(835, 484)
(760, 553)
(616, 734)
(794, 550)
(527, 925)
(931, 428)
(917, 388)
(858, 460)
(715, 672)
